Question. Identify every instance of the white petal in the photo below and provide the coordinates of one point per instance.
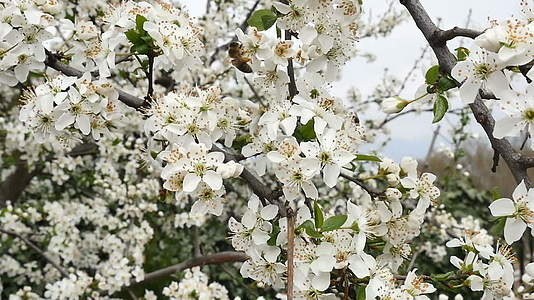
(469, 90)
(310, 149)
(249, 219)
(331, 174)
(269, 212)
(281, 7)
(520, 191)
(514, 229)
(65, 120)
(307, 34)
(84, 124)
(321, 282)
(191, 181)
(213, 179)
(454, 243)
(507, 126)
(323, 264)
(310, 190)
(498, 84)
(502, 207)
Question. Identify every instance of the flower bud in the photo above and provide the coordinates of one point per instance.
(394, 105)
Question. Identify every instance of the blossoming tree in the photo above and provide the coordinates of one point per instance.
(139, 143)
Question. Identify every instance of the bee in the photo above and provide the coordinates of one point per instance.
(235, 51)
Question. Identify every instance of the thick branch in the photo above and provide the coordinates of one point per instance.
(447, 61)
(217, 258)
(16, 182)
(13, 186)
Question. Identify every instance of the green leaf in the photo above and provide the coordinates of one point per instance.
(139, 21)
(273, 235)
(241, 141)
(134, 37)
(432, 75)
(367, 157)
(440, 108)
(305, 133)
(262, 19)
(360, 293)
(306, 224)
(319, 217)
(309, 227)
(333, 223)
(441, 277)
(140, 48)
(462, 53)
(498, 228)
(446, 83)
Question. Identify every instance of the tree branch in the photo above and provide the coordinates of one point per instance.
(447, 35)
(217, 258)
(447, 61)
(13, 186)
(53, 62)
(290, 251)
(291, 72)
(36, 249)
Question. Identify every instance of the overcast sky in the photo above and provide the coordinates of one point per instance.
(397, 52)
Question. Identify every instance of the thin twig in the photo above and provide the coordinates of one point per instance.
(36, 249)
(217, 258)
(291, 72)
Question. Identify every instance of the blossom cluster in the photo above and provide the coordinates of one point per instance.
(63, 107)
(325, 242)
(195, 285)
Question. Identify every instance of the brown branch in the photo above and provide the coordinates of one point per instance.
(290, 252)
(217, 258)
(291, 72)
(257, 187)
(447, 35)
(361, 184)
(447, 61)
(53, 62)
(13, 186)
(260, 189)
(36, 249)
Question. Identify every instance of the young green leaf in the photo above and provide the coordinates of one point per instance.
(446, 83)
(262, 19)
(319, 217)
(140, 48)
(134, 37)
(360, 293)
(139, 21)
(309, 227)
(333, 223)
(305, 133)
(273, 235)
(462, 53)
(432, 75)
(440, 108)
(367, 157)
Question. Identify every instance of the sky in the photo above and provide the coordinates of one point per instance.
(397, 52)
